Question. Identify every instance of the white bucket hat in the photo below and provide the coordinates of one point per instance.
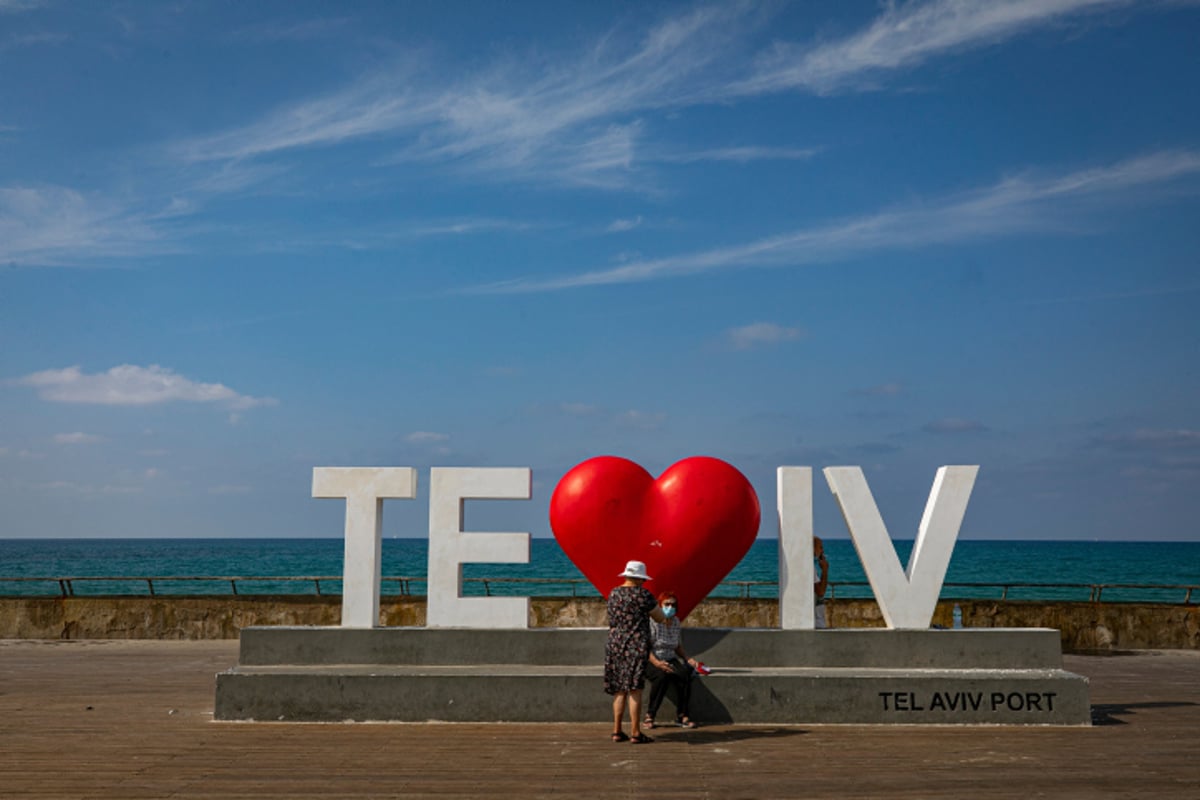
(635, 569)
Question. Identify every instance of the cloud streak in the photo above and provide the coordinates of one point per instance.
(760, 334)
(19, 6)
(740, 155)
(902, 37)
(130, 385)
(1018, 204)
(426, 437)
(551, 120)
(78, 437)
(57, 226)
(955, 425)
(579, 118)
(576, 119)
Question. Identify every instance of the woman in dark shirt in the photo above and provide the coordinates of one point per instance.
(630, 608)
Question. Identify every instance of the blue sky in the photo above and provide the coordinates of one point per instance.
(238, 241)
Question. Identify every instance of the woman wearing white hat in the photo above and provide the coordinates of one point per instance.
(630, 608)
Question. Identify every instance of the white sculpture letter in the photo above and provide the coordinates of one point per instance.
(450, 547)
(364, 489)
(907, 599)
(794, 503)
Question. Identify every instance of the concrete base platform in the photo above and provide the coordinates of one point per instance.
(853, 676)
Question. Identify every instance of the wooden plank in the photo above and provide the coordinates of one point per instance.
(149, 733)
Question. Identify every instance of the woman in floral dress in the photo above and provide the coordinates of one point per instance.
(630, 608)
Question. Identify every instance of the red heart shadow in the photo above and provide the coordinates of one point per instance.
(691, 526)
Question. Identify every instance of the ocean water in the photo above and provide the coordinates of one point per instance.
(550, 572)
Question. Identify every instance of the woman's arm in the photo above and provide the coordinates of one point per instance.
(679, 651)
(689, 661)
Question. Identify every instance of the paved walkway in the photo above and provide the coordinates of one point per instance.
(133, 719)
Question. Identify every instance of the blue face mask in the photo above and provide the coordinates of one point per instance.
(668, 611)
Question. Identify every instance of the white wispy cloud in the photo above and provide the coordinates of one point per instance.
(571, 121)
(130, 385)
(303, 31)
(1144, 440)
(620, 225)
(952, 425)
(87, 489)
(387, 235)
(1093, 297)
(374, 106)
(741, 155)
(575, 117)
(17, 6)
(904, 36)
(881, 390)
(57, 226)
(32, 40)
(578, 409)
(633, 418)
(426, 437)
(641, 420)
(230, 489)
(1168, 456)
(77, 437)
(761, 333)
(465, 227)
(1021, 203)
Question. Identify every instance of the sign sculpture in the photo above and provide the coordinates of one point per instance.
(691, 527)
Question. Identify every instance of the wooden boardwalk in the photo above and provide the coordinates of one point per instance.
(133, 719)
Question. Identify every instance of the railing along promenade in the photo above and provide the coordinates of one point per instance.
(405, 586)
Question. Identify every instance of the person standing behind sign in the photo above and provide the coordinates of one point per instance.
(669, 664)
(821, 584)
(630, 609)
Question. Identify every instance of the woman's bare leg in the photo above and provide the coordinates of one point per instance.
(635, 711)
(618, 710)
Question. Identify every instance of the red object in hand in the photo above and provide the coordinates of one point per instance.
(691, 527)
(702, 668)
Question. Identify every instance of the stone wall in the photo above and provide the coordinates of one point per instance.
(1084, 626)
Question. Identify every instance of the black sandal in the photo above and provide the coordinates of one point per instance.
(620, 736)
(641, 738)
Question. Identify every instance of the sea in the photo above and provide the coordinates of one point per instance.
(1018, 570)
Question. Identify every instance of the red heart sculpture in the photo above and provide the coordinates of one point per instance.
(691, 526)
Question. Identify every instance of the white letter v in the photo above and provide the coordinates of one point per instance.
(907, 599)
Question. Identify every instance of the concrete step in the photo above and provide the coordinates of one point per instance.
(574, 693)
(988, 648)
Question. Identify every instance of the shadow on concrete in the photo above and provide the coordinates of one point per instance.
(705, 707)
(710, 736)
(1106, 714)
(698, 641)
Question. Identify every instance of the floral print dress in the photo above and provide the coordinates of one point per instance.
(628, 646)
